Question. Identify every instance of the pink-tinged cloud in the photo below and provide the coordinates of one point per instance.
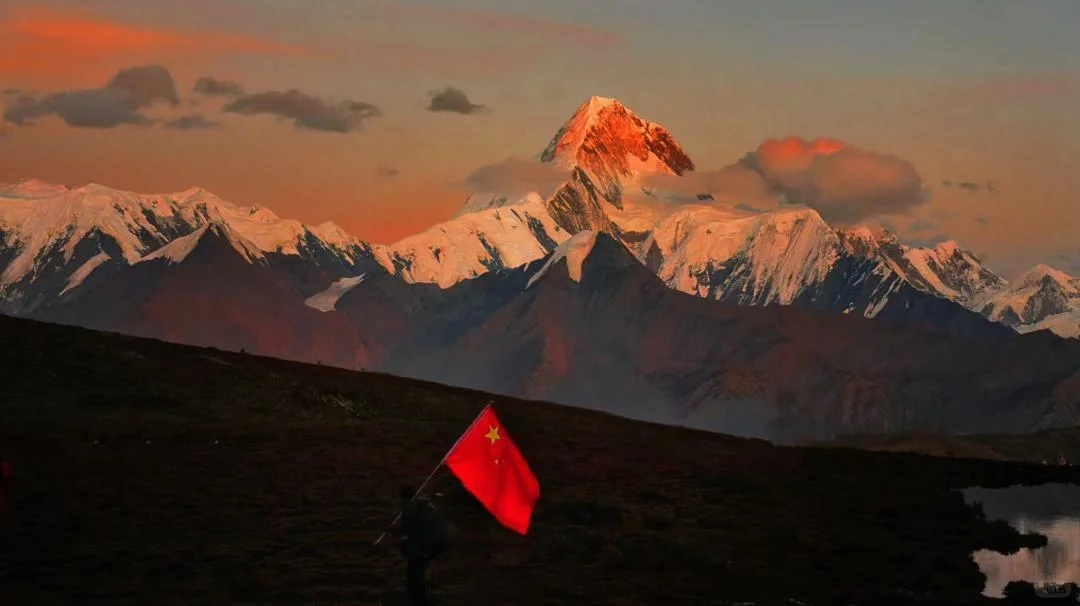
(792, 155)
(843, 183)
(36, 42)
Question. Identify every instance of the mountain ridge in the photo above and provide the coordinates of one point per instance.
(590, 326)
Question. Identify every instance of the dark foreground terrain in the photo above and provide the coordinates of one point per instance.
(151, 473)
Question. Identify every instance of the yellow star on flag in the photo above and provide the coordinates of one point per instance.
(492, 434)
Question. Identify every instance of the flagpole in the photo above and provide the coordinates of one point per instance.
(437, 467)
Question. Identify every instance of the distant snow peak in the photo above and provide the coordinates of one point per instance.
(1041, 298)
(719, 253)
(32, 189)
(574, 250)
(944, 270)
(1037, 274)
(332, 233)
(475, 243)
(326, 300)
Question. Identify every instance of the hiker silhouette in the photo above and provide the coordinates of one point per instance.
(422, 533)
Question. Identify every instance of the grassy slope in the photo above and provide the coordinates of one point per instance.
(151, 473)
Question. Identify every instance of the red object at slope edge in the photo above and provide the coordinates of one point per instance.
(491, 467)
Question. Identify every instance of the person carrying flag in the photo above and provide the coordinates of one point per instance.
(422, 533)
(490, 466)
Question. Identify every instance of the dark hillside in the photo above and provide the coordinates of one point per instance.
(153, 473)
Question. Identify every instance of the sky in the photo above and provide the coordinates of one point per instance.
(374, 114)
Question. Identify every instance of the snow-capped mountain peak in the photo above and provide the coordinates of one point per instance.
(606, 138)
(32, 189)
(946, 269)
(1040, 272)
(570, 137)
(605, 150)
(332, 233)
(475, 243)
(722, 253)
(1040, 298)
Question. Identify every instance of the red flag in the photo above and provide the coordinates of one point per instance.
(490, 466)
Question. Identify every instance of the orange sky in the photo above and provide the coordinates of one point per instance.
(1016, 127)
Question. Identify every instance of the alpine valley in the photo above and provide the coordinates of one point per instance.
(603, 294)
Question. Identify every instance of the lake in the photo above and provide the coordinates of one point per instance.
(1052, 510)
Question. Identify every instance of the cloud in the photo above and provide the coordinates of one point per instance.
(843, 183)
(306, 112)
(94, 108)
(117, 103)
(146, 84)
(192, 122)
(212, 87)
(455, 100)
(39, 42)
(516, 177)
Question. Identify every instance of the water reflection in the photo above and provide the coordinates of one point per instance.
(1052, 510)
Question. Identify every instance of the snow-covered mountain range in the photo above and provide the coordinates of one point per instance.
(785, 256)
(696, 312)
(52, 238)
